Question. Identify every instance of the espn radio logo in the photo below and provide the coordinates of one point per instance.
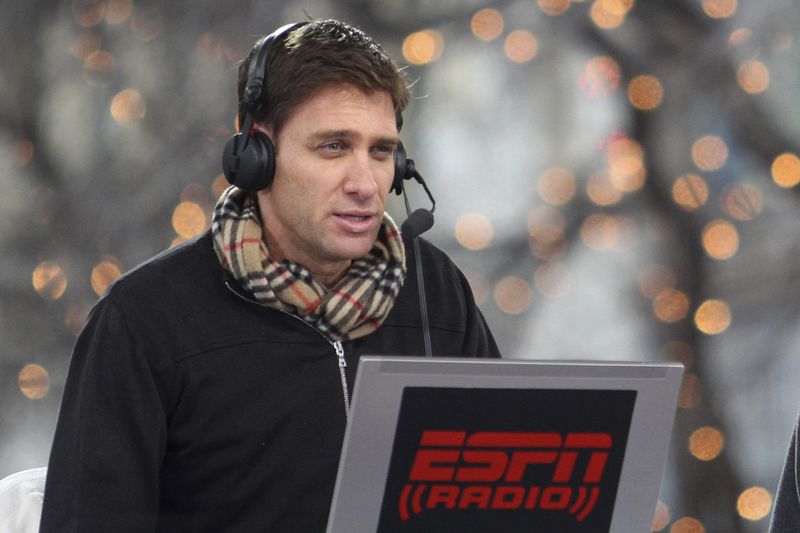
(502, 471)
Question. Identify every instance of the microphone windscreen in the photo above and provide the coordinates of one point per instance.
(417, 223)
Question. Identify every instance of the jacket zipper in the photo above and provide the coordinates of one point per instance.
(337, 346)
(342, 367)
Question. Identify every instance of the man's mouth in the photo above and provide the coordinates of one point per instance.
(356, 222)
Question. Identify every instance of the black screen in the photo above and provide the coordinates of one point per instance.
(476, 460)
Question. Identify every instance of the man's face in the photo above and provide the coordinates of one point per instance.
(334, 169)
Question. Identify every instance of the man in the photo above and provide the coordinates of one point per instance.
(209, 390)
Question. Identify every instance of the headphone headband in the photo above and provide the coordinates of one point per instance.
(257, 70)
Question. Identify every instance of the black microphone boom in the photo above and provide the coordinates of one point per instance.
(417, 223)
(420, 220)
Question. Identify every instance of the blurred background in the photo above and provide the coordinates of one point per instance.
(617, 178)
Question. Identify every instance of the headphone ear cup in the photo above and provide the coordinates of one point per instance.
(254, 168)
(400, 169)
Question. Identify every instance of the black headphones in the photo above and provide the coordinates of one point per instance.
(248, 159)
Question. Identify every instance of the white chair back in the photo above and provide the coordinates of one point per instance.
(21, 496)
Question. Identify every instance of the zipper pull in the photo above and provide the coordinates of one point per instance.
(340, 353)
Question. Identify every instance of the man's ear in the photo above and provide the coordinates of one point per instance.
(263, 128)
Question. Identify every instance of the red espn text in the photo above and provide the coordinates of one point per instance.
(485, 470)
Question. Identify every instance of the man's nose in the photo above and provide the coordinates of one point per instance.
(361, 177)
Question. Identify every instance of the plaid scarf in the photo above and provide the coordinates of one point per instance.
(356, 306)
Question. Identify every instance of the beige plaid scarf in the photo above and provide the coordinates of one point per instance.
(356, 306)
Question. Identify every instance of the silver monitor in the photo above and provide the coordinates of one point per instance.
(440, 444)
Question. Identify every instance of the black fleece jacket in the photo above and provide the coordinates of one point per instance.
(786, 513)
(189, 408)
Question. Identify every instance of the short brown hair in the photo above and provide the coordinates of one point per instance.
(315, 55)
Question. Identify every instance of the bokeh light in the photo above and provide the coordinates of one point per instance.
(513, 295)
(609, 14)
(719, 8)
(128, 107)
(601, 191)
(661, 518)
(188, 220)
(521, 46)
(487, 24)
(670, 305)
(49, 280)
(754, 503)
(33, 381)
(600, 77)
(645, 92)
(548, 242)
(474, 231)
(556, 186)
(753, 76)
(546, 231)
(626, 164)
(423, 47)
(713, 317)
(740, 36)
(105, 273)
(706, 443)
(687, 524)
(118, 11)
(99, 68)
(690, 191)
(709, 153)
(618, 7)
(88, 13)
(720, 239)
(742, 201)
(600, 232)
(786, 170)
(554, 7)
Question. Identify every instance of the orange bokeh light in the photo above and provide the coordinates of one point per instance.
(713, 317)
(423, 47)
(786, 170)
(513, 295)
(753, 76)
(709, 153)
(645, 92)
(706, 443)
(487, 24)
(521, 46)
(474, 231)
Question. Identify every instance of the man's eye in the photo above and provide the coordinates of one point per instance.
(335, 146)
(384, 149)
